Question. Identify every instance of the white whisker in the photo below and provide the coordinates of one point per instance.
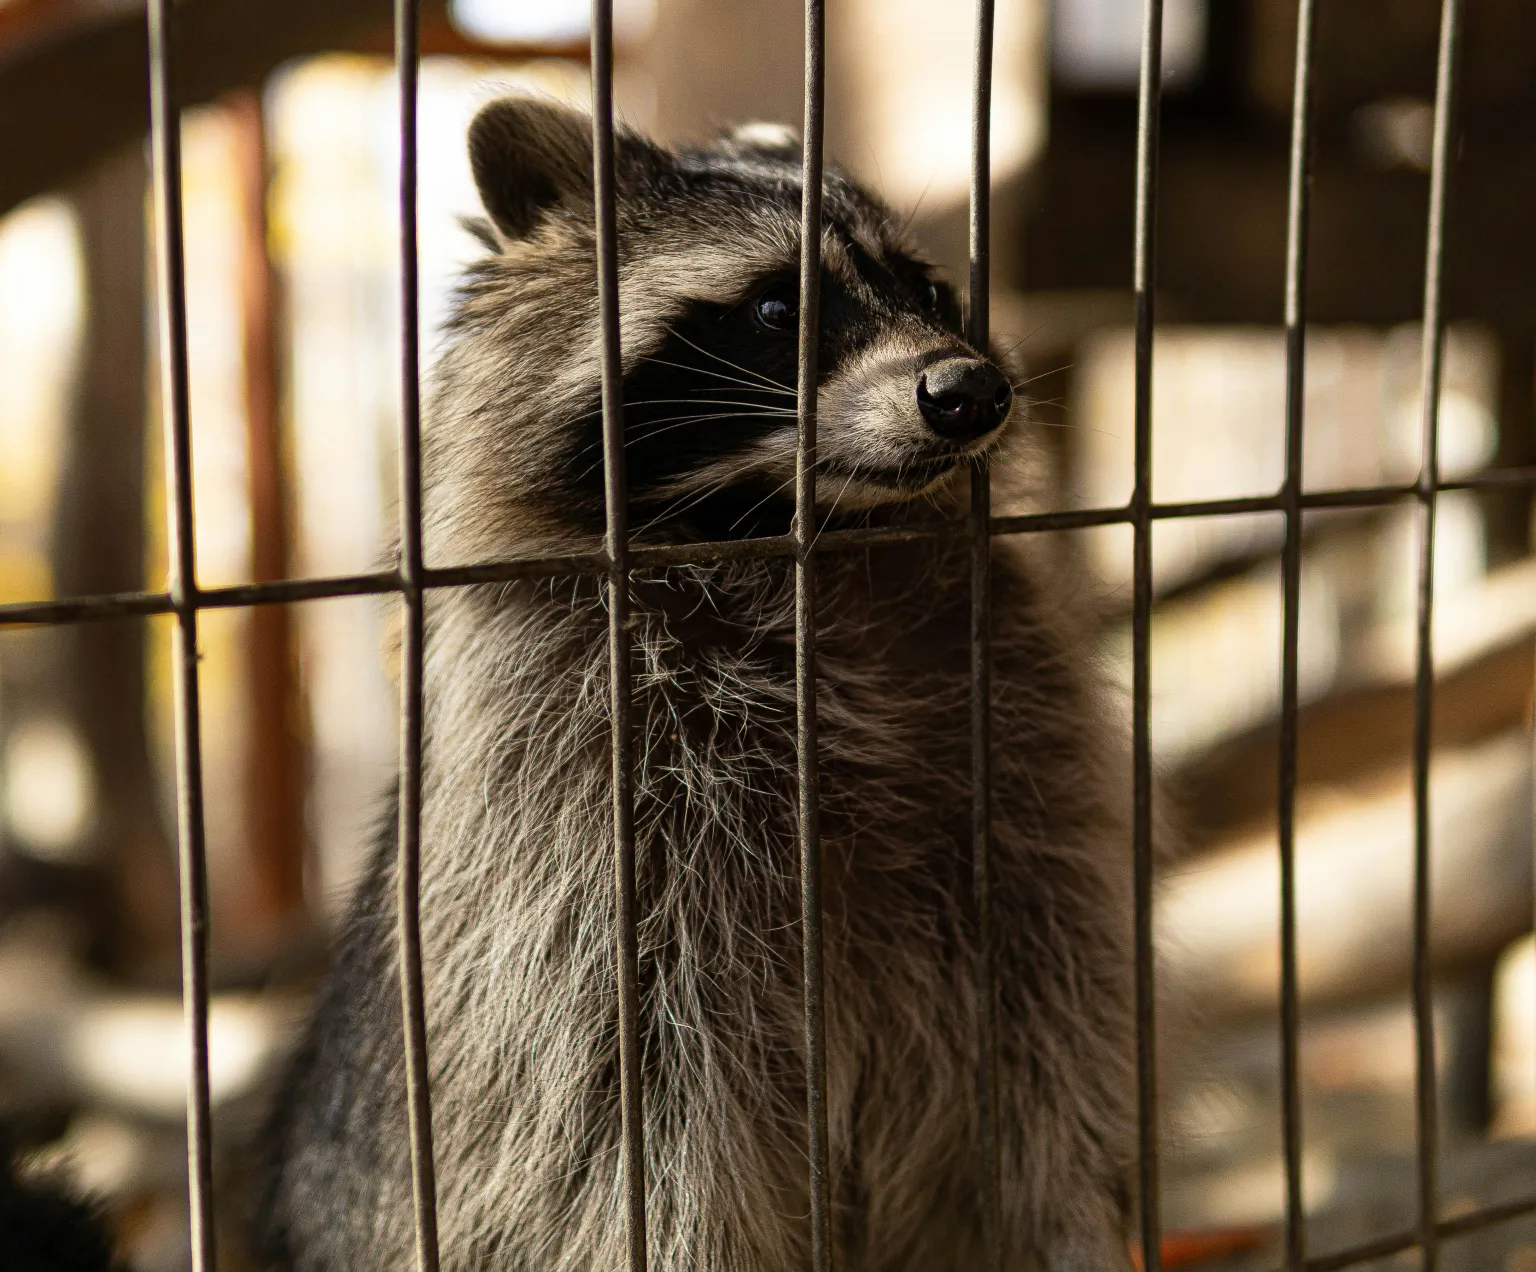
(735, 366)
(756, 387)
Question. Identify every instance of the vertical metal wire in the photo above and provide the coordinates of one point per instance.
(977, 334)
(408, 840)
(1149, 101)
(1298, 212)
(1424, 673)
(619, 639)
(809, 784)
(165, 145)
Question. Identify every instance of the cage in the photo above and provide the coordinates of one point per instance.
(1431, 374)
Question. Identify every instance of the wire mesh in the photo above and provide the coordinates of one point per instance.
(412, 579)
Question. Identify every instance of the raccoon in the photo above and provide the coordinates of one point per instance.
(516, 893)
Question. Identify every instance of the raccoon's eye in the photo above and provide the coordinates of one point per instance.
(778, 308)
(937, 302)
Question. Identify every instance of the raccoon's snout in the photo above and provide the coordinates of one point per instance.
(963, 398)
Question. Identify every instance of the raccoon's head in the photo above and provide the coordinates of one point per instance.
(709, 254)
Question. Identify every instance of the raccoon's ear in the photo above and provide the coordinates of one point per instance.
(778, 141)
(529, 154)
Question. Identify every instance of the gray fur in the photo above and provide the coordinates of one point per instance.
(517, 876)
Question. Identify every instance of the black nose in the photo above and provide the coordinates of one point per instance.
(963, 398)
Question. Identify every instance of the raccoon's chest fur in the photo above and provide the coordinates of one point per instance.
(518, 932)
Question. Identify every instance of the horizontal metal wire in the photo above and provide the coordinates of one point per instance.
(1446, 1229)
(83, 609)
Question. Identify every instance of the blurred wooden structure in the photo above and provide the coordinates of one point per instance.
(1222, 186)
(49, 49)
(100, 545)
(276, 751)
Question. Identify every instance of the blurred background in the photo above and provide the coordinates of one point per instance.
(290, 162)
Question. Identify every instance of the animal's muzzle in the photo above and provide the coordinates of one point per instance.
(963, 398)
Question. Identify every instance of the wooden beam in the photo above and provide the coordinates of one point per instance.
(277, 767)
(74, 76)
(1350, 735)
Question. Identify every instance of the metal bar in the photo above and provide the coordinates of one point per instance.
(1424, 673)
(1298, 211)
(1487, 1217)
(1494, 478)
(978, 335)
(192, 861)
(616, 545)
(1369, 1252)
(1365, 497)
(1034, 522)
(83, 609)
(1148, 107)
(1385, 1247)
(418, 1079)
(283, 591)
(808, 786)
(1234, 506)
(663, 554)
